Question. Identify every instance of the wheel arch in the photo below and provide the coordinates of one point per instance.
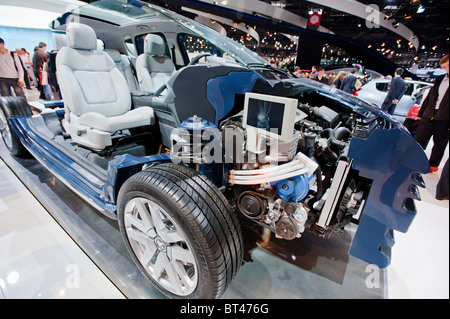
(124, 167)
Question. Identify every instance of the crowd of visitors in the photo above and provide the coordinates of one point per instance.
(20, 72)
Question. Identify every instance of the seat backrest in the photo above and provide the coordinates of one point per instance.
(154, 68)
(88, 78)
(123, 64)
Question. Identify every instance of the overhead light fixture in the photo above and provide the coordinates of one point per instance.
(421, 9)
(278, 4)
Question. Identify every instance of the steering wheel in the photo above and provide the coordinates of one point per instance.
(198, 58)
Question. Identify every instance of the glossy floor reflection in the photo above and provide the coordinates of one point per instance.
(37, 257)
(420, 268)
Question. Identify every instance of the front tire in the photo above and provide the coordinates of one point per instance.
(180, 231)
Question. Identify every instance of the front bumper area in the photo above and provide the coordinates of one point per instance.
(393, 160)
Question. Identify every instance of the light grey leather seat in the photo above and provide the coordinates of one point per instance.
(96, 97)
(154, 67)
(123, 64)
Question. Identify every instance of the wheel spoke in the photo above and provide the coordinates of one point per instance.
(181, 254)
(173, 277)
(159, 265)
(144, 213)
(137, 223)
(179, 259)
(161, 223)
(182, 275)
(148, 255)
(157, 219)
(138, 236)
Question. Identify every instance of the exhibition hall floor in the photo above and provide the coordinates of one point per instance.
(55, 245)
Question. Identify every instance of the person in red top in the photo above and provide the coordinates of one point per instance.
(41, 59)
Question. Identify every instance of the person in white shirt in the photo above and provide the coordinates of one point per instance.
(11, 72)
(28, 61)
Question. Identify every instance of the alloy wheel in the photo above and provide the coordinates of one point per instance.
(160, 246)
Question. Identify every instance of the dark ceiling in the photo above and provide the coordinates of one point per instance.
(431, 26)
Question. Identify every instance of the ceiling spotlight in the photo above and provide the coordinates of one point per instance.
(421, 9)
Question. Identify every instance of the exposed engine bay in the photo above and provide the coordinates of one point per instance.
(283, 184)
(320, 142)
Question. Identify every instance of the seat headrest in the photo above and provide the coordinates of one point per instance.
(114, 54)
(81, 36)
(154, 45)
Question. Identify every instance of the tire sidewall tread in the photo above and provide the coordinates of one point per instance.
(204, 217)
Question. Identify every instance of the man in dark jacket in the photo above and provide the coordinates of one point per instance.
(41, 59)
(396, 92)
(434, 118)
(321, 76)
(349, 82)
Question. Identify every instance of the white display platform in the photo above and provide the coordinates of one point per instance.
(420, 263)
(37, 257)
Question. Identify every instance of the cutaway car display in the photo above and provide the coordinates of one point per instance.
(213, 131)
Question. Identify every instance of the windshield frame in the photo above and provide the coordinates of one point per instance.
(236, 50)
(115, 12)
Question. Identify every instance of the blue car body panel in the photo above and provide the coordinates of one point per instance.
(222, 90)
(390, 158)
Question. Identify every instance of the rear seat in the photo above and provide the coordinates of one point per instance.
(124, 65)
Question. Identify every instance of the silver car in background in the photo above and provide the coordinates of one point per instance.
(376, 91)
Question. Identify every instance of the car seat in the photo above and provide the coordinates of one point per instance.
(96, 96)
(123, 64)
(154, 67)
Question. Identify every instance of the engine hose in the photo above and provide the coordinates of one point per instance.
(342, 133)
(310, 144)
(318, 113)
(329, 133)
(320, 190)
